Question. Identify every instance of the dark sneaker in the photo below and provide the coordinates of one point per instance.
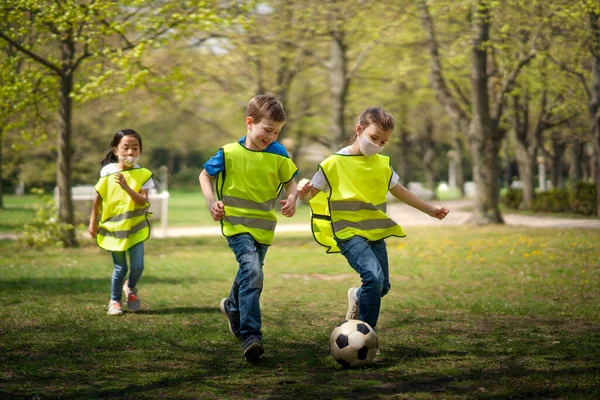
(234, 323)
(253, 348)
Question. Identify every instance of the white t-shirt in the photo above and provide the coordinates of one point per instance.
(318, 180)
(113, 167)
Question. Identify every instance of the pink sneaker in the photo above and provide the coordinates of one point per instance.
(133, 300)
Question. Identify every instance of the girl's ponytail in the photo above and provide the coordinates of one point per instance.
(109, 158)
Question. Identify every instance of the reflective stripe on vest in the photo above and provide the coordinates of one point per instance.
(123, 223)
(249, 187)
(356, 203)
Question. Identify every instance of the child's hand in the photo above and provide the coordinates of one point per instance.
(439, 212)
(121, 181)
(217, 210)
(289, 206)
(304, 187)
(93, 228)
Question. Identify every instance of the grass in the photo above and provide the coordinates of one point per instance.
(185, 209)
(487, 313)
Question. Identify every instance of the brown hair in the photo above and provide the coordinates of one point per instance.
(372, 115)
(265, 106)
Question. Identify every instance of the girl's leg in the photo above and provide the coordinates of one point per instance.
(119, 274)
(380, 250)
(136, 259)
(363, 260)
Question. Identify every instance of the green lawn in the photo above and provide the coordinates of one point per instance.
(185, 209)
(474, 313)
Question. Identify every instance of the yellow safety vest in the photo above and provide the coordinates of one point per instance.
(249, 187)
(356, 202)
(123, 223)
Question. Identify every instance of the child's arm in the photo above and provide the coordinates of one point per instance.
(306, 190)
(402, 193)
(93, 226)
(217, 209)
(289, 204)
(140, 198)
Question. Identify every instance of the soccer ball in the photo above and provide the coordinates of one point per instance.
(353, 343)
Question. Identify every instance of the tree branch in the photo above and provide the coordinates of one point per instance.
(31, 54)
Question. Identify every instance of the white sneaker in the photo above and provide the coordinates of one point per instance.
(114, 308)
(133, 300)
(352, 304)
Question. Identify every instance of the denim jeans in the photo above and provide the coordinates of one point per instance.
(244, 298)
(136, 259)
(370, 260)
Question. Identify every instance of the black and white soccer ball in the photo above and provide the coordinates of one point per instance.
(353, 343)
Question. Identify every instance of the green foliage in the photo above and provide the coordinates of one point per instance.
(583, 199)
(551, 201)
(511, 198)
(580, 199)
(45, 229)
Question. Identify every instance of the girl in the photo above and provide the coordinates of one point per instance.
(121, 202)
(347, 197)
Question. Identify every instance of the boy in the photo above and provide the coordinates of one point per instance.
(249, 175)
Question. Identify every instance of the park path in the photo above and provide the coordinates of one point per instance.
(401, 213)
(408, 216)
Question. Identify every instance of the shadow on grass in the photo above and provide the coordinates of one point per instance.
(181, 310)
(61, 286)
(201, 360)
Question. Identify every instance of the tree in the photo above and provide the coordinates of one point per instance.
(491, 81)
(101, 38)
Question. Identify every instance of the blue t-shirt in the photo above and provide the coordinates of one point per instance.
(216, 164)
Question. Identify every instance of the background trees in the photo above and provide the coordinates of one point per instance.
(510, 80)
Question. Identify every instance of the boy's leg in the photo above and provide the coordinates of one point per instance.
(249, 255)
(363, 260)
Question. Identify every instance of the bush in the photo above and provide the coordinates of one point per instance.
(583, 199)
(552, 201)
(580, 199)
(45, 229)
(512, 198)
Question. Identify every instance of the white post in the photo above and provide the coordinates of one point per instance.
(541, 174)
(164, 214)
(452, 173)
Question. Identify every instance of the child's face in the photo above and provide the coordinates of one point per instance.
(128, 151)
(262, 134)
(375, 134)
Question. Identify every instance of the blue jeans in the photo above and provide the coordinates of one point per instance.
(370, 260)
(136, 259)
(244, 298)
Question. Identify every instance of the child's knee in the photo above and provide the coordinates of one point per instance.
(252, 269)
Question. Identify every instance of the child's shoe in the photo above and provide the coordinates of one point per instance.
(234, 324)
(114, 308)
(253, 348)
(352, 304)
(133, 300)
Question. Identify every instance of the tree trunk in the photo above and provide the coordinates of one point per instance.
(338, 87)
(483, 133)
(575, 152)
(1, 174)
(594, 106)
(403, 163)
(558, 149)
(526, 162)
(63, 161)
(458, 155)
